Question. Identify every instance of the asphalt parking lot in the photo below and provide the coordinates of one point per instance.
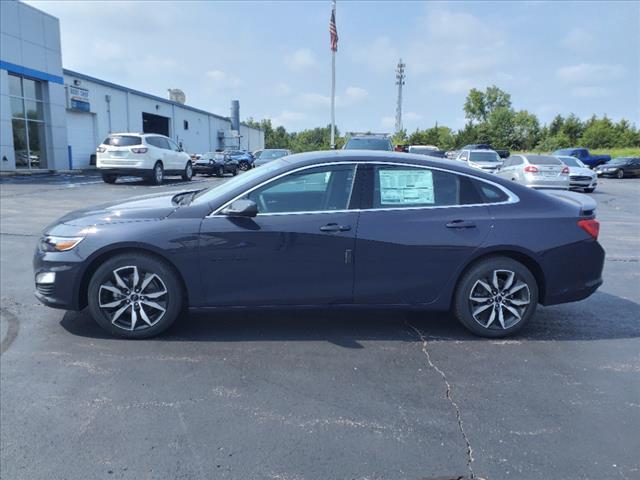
(315, 395)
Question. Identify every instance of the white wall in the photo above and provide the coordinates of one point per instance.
(126, 116)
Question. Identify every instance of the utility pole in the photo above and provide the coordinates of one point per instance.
(400, 76)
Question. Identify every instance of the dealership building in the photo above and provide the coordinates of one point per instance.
(53, 119)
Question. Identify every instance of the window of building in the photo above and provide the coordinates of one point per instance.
(185, 124)
(27, 121)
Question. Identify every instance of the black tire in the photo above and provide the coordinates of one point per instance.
(620, 174)
(235, 171)
(220, 172)
(157, 174)
(187, 174)
(504, 322)
(589, 190)
(244, 165)
(102, 300)
(109, 178)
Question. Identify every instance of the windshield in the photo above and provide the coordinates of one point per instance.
(210, 194)
(487, 156)
(571, 161)
(368, 144)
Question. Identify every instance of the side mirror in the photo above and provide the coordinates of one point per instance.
(241, 208)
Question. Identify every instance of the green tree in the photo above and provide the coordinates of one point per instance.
(399, 138)
(479, 105)
(526, 131)
(573, 128)
(500, 127)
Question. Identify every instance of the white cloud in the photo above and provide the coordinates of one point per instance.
(388, 122)
(301, 59)
(313, 100)
(282, 89)
(411, 117)
(589, 73)
(379, 55)
(289, 119)
(223, 80)
(590, 92)
(355, 94)
(457, 85)
(578, 39)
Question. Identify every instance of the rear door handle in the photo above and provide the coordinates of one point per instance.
(334, 227)
(461, 224)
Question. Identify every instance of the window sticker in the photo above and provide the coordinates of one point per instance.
(406, 187)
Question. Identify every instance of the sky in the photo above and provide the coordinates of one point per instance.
(552, 57)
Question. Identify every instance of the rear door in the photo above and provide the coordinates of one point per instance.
(417, 228)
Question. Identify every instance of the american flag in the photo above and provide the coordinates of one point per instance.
(333, 31)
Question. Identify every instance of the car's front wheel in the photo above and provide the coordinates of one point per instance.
(496, 297)
(244, 165)
(620, 174)
(135, 296)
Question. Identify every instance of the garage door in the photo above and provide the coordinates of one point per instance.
(81, 137)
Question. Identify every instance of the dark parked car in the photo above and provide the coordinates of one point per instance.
(620, 167)
(584, 156)
(431, 234)
(245, 159)
(368, 142)
(215, 163)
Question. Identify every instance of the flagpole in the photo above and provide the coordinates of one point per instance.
(333, 91)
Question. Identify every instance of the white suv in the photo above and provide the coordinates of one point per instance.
(147, 154)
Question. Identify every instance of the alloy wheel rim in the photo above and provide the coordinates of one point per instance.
(159, 173)
(189, 170)
(499, 300)
(133, 299)
(244, 166)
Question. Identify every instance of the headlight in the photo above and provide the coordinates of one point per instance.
(58, 244)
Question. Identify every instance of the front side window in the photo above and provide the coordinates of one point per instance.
(464, 156)
(313, 190)
(398, 186)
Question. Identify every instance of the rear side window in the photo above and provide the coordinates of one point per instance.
(400, 186)
(543, 160)
(158, 142)
(122, 140)
(490, 193)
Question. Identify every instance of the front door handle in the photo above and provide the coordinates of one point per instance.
(461, 224)
(334, 227)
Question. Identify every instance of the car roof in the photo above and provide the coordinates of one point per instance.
(482, 150)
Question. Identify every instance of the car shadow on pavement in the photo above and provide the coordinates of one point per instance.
(591, 319)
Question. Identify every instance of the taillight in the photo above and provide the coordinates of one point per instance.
(531, 169)
(565, 171)
(140, 150)
(592, 227)
(101, 149)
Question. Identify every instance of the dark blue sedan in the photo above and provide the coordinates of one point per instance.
(335, 228)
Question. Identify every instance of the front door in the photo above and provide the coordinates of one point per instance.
(298, 249)
(420, 227)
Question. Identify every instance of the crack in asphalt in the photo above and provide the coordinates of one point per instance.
(449, 395)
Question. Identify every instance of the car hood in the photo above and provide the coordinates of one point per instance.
(137, 209)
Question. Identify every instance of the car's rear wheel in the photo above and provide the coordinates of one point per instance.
(620, 174)
(244, 165)
(496, 297)
(109, 178)
(187, 174)
(157, 174)
(134, 296)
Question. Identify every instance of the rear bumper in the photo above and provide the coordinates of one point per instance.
(572, 272)
(134, 171)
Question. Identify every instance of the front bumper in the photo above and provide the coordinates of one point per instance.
(583, 182)
(208, 168)
(63, 292)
